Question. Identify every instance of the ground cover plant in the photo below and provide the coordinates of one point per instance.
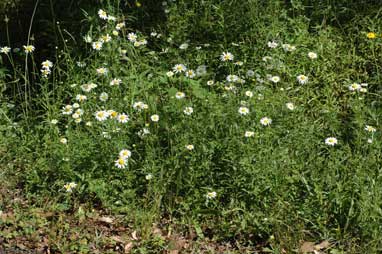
(225, 127)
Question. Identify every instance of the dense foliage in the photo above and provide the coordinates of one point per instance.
(249, 121)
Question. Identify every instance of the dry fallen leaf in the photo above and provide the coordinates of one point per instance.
(323, 245)
(128, 247)
(117, 238)
(307, 247)
(106, 219)
(134, 235)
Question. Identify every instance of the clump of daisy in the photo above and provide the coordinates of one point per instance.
(265, 121)
(70, 186)
(272, 44)
(46, 65)
(243, 111)
(302, 79)
(331, 141)
(288, 47)
(232, 78)
(139, 105)
(226, 56)
(88, 87)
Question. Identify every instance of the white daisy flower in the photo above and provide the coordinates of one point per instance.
(104, 97)
(243, 111)
(70, 186)
(115, 82)
(132, 37)
(274, 79)
(265, 121)
(102, 14)
(125, 153)
(290, 106)
(170, 74)
(148, 177)
(123, 118)
(121, 162)
(226, 56)
(29, 49)
(105, 38)
(249, 94)
(190, 147)
(331, 141)
(154, 118)
(188, 110)
(302, 79)
(183, 46)
(63, 141)
(88, 87)
(232, 78)
(370, 128)
(178, 68)
(5, 50)
(101, 115)
(81, 98)
(312, 55)
(211, 195)
(67, 110)
(190, 74)
(102, 71)
(210, 82)
(97, 45)
(249, 134)
(47, 64)
(354, 87)
(119, 26)
(180, 95)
